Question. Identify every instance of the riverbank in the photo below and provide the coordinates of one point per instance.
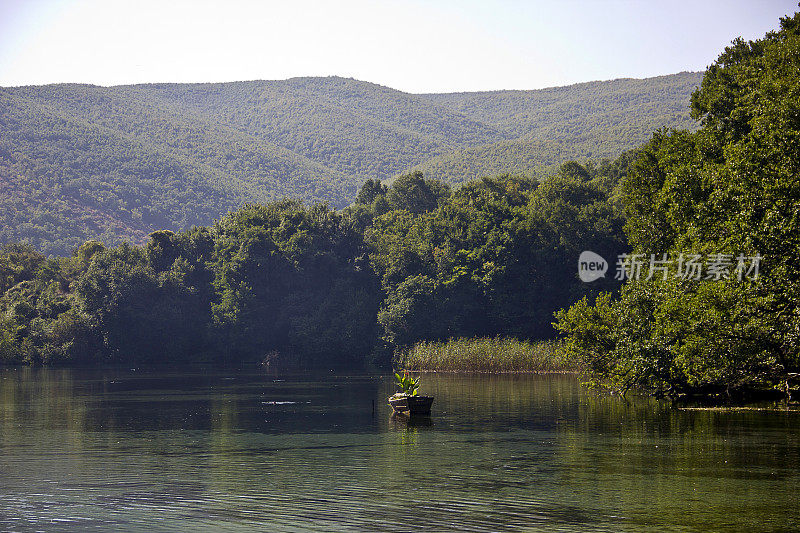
(487, 355)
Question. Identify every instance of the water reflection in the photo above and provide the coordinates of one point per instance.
(139, 450)
(409, 422)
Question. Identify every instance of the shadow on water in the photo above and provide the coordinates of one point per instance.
(140, 450)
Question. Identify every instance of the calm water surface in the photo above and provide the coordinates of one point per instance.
(226, 450)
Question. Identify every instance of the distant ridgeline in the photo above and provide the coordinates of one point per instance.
(81, 162)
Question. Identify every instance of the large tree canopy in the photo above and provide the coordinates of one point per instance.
(731, 188)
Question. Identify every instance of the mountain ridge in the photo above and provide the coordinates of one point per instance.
(172, 155)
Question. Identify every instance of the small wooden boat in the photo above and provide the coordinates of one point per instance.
(411, 405)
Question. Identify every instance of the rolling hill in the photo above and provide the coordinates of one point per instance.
(114, 163)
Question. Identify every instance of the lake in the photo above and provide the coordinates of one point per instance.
(165, 450)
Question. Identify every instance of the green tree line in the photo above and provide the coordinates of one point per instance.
(310, 285)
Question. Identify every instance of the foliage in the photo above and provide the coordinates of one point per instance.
(542, 129)
(490, 259)
(416, 261)
(487, 354)
(731, 187)
(291, 278)
(40, 321)
(415, 194)
(408, 384)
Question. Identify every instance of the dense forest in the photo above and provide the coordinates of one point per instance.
(80, 162)
(292, 284)
(544, 128)
(729, 190)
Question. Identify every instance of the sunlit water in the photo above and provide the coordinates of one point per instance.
(223, 450)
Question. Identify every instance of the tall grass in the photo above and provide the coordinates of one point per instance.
(494, 355)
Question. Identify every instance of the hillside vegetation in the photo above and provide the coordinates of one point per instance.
(81, 162)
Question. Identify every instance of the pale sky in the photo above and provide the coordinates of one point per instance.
(415, 46)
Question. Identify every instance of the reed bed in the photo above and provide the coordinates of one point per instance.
(487, 354)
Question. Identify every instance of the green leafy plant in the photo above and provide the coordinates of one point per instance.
(407, 383)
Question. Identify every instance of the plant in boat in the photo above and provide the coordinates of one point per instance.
(407, 383)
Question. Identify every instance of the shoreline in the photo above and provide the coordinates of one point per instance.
(495, 372)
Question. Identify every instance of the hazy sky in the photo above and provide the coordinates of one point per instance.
(416, 46)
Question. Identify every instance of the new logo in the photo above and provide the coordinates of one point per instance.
(591, 266)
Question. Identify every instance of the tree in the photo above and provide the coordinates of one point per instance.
(732, 188)
(415, 194)
(370, 190)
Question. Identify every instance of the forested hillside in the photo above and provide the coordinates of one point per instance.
(82, 162)
(547, 127)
